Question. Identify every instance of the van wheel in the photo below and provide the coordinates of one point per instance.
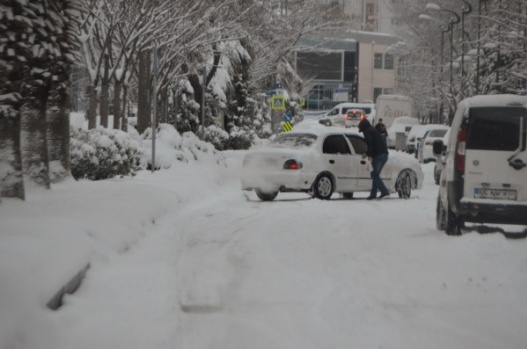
(453, 223)
(404, 185)
(323, 187)
(327, 123)
(266, 196)
(440, 215)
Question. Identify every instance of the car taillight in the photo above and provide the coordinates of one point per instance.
(461, 148)
(292, 165)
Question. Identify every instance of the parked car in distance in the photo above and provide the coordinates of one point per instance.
(485, 175)
(353, 117)
(425, 153)
(321, 161)
(335, 117)
(402, 126)
(416, 133)
(440, 154)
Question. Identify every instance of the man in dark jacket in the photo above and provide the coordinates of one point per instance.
(381, 127)
(378, 155)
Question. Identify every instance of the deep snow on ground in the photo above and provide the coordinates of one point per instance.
(182, 258)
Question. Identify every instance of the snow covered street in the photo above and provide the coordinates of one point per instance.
(216, 268)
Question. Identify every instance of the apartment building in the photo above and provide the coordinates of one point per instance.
(360, 62)
(371, 15)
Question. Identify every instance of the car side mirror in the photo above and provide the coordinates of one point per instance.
(438, 147)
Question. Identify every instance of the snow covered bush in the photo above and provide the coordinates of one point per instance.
(100, 154)
(216, 136)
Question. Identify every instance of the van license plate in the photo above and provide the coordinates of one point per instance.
(496, 194)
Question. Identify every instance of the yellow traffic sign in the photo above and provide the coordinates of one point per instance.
(278, 103)
(287, 126)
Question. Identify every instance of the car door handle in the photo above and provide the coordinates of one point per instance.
(363, 162)
(331, 161)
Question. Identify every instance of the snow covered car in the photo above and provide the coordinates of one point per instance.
(322, 161)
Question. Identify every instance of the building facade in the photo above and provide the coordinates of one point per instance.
(360, 63)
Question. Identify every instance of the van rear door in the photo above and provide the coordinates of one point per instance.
(494, 154)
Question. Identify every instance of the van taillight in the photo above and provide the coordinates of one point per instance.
(461, 148)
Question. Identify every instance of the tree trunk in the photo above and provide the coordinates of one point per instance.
(92, 107)
(117, 110)
(125, 109)
(33, 135)
(58, 135)
(11, 178)
(105, 94)
(195, 82)
(143, 108)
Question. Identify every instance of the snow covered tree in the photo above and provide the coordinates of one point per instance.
(37, 49)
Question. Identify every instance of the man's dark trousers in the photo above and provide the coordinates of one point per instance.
(377, 163)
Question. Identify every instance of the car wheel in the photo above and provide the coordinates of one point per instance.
(347, 195)
(327, 123)
(404, 185)
(440, 215)
(266, 196)
(323, 187)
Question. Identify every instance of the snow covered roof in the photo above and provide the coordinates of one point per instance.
(495, 100)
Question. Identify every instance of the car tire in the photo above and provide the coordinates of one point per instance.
(267, 195)
(327, 123)
(404, 185)
(447, 220)
(323, 187)
(348, 195)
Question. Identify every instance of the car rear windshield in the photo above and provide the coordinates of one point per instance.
(496, 128)
(297, 140)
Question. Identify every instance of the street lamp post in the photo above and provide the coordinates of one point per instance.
(479, 45)
(445, 27)
(465, 10)
(454, 19)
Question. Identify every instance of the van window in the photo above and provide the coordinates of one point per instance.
(334, 112)
(496, 128)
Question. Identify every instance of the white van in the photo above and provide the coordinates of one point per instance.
(485, 175)
(391, 107)
(336, 116)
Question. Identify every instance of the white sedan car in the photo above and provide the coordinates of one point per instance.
(323, 161)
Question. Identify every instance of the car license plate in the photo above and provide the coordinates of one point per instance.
(496, 194)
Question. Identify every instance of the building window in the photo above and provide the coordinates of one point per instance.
(377, 63)
(388, 61)
(377, 91)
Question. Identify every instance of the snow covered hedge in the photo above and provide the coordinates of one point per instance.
(100, 154)
(105, 153)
